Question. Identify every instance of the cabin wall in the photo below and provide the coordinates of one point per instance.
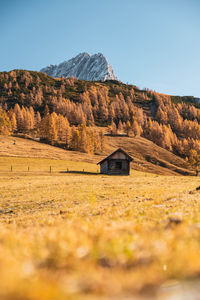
(104, 167)
(124, 170)
(118, 155)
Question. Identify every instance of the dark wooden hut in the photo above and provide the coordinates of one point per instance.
(117, 163)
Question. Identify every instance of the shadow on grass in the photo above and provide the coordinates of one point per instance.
(80, 172)
(91, 173)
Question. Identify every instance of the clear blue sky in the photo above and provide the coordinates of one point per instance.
(150, 43)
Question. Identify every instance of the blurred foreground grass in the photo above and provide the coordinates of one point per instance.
(78, 236)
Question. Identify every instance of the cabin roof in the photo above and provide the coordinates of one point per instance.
(118, 150)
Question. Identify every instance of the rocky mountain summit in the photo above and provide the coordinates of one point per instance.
(83, 66)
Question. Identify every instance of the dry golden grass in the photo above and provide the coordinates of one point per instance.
(29, 148)
(78, 236)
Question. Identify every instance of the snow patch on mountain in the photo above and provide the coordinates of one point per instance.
(83, 66)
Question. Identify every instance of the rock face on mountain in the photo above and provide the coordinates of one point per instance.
(83, 66)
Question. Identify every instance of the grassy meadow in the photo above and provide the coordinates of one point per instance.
(91, 236)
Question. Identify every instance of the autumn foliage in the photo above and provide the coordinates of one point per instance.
(67, 112)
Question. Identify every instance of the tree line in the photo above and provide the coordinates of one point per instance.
(51, 128)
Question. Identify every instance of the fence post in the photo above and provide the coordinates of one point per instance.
(28, 169)
(50, 169)
(11, 168)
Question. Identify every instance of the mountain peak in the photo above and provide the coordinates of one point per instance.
(83, 66)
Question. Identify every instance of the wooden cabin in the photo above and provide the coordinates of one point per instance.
(117, 163)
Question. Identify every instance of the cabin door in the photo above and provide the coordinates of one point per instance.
(118, 165)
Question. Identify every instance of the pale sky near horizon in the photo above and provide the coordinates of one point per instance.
(149, 43)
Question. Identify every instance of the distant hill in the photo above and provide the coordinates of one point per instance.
(25, 87)
(148, 157)
(83, 66)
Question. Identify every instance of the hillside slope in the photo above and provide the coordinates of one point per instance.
(148, 157)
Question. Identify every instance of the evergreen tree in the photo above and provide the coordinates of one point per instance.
(136, 128)
(37, 120)
(194, 159)
(19, 117)
(5, 123)
(75, 141)
(113, 128)
(68, 133)
(52, 133)
(13, 122)
(102, 141)
(120, 127)
(128, 128)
